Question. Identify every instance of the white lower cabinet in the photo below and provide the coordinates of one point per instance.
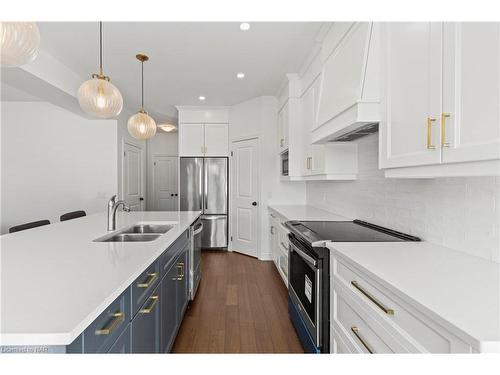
(367, 318)
(279, 244)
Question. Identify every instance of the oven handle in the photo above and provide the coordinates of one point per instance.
(308, 259)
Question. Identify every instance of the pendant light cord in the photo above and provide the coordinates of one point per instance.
(142, 87)
(100, 49)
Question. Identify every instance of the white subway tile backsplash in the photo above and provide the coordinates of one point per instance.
(461, 213)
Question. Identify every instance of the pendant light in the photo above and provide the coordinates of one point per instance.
(141, 125)
(167, 127)
(98, 96)
(20, 42)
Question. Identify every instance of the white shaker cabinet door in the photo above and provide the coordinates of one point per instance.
(191, 140)
(216, 140)
(471, 92)
(411, 94)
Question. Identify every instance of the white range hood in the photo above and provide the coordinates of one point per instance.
(349, 98)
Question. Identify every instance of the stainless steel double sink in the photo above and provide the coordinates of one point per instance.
(137, 233)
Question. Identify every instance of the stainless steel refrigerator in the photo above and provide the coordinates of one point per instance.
(204, 187)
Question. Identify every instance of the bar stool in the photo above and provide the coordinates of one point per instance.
(72, 215)
(33, 224)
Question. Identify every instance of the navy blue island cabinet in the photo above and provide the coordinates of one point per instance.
(146, 317)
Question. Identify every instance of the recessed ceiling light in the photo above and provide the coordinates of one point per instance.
(167, 127)
(240, 75)
(244, 26)
(201, 97)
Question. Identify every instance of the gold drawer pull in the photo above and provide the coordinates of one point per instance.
(444, 116)
(355, 330)
(430, 120)
(117, 319)
(148, 309)
(151, 279)
(384, 308)
(179, 266)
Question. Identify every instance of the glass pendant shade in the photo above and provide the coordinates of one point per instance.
(141, 126)
(20, 42)
(167, 127)
(100, 98)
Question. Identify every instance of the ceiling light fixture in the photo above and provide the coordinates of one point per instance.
(244, 26)
(98, 96)
(20, 42)
(167, 127)
(240, 75)
(141, 125)
(201, 97)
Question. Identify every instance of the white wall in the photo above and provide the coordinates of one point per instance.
(460, 213)
(53, 161)
(258, 118)
(162, 144)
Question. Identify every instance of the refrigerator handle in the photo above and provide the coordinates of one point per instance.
(205, 183)
(201, 185)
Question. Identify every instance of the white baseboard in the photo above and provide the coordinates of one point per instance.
(265, 256)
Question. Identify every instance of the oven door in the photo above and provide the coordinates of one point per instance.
(305, 289)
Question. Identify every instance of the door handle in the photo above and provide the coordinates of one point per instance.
(141, 198)
(254, 203)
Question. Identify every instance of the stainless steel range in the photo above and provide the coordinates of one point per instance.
(308, 272)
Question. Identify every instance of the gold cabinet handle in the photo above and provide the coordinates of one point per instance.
(430, 120)
(115, 322)
(154, 301)
(379, 304)
(151, 279)
(180, 266)
(308, 162)
(368, 347)
(444, 116)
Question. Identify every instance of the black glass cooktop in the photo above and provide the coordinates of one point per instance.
(346, 231)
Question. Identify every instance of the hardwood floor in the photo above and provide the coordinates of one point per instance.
(241, 307)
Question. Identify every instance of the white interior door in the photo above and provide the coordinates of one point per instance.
(245, 196)
(165, 195)
(132, 177)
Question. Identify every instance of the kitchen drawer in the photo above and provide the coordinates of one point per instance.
(146, 328)
(102, 333)
(173, 250)
(391, 315)
(358, 331)
(122, 344)
(339, 343)
(144, 285)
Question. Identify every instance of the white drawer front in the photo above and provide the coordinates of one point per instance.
(359, 332)
(413, 330)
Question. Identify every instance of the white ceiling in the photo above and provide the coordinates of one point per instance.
(187, 59)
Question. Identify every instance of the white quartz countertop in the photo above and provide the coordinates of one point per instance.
(55, 280)
(459, 291)
(306, 213)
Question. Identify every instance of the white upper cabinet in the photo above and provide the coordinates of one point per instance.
(283, 126)
(216, 140)
(440, 112)
(349, 88)
(411, 66)
(471, 92)
(203, 131)
(191, 139)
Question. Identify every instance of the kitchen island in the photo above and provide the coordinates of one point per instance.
(56, 280)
